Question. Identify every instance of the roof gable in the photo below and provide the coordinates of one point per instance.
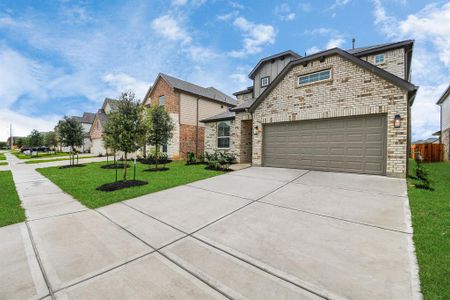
(275, 56)
(444, 96)
(336, 51)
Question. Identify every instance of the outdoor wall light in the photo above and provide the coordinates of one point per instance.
(397, 120)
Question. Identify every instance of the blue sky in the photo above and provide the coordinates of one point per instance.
(65, 57)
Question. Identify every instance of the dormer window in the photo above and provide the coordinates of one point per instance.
(379, 59)
(265, 81)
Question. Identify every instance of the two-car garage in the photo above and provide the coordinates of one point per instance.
(350, 144)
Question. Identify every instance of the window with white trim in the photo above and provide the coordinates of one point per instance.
(379, 59)
(223, 134)
(161, 100)
(314, 77)
(265, 81)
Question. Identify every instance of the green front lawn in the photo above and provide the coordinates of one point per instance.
(10, 210)
(40, 155)
(2, 156)
(431, 223)
(3, 163)
(38, 161)
(82, 182)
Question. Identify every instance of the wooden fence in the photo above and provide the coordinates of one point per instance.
(429, 152)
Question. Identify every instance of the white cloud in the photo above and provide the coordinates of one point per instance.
(228, 16)
(336, 42)
(22, 124)
(255, 36)
(179, 2)
(312, 50)
(236, 5)
(201, 54)
(169, 27)
(120, 82)
(431, 58)
(19, 76)
(338, 3)
(284, 12)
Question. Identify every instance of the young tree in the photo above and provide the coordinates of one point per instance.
(23, 141)
(35, 139)
(125, 126)
(50, 140)
(159, 128)
(70, 134)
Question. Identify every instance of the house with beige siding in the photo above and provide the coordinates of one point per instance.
(444, 103)
(335, 110)
(187, 104)
(86, 123)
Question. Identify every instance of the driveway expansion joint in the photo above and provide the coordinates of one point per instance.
(337, 218)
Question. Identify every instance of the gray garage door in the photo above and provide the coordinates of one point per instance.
(354, 144)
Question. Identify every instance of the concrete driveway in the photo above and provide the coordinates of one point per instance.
(259, 233)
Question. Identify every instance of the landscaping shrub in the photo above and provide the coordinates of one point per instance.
(190, 158)
(423, 176)
(219, 160)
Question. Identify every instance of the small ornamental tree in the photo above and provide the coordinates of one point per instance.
(124, 127)
(35, 139)
(159, 128)
(50, 140)
(70, 134)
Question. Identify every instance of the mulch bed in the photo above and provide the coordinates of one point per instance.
(114, 186)
(72, 166)
(152, 162)
(215, 169)
(197, 163)
(156, 169)
(113, 166)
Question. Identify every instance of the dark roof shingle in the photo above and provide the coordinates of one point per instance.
(210, 92)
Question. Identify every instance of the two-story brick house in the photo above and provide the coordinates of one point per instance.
(334, 110)
(444, 103)
(187, 104)
(100, 119)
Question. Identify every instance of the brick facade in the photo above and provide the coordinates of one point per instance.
(351, 91)
(188, 137)
(171, 97)
(394, 62)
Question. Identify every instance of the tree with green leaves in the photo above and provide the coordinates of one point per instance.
(70, 134)
(50, 140)
(125, 126)
(21, 142)
(159, 128)
(35, 139)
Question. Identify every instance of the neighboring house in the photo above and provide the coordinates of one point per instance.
(86, 122)
(187, 104)
(98, 123)
(14, 141)
(444, 103)
(427, 141)
(334, 110)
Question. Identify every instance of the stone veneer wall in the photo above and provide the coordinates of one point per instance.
(239, 145)
(243, 97)
(351, 91)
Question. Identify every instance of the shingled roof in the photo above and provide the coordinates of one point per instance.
(209, 93)
(228, 115)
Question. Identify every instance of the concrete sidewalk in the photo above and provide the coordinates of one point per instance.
(258, 233)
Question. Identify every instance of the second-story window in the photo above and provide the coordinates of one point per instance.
(265, 81)
(161, 101)
(314, 77)
(379, 59)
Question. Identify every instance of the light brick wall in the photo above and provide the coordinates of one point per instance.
(446, 141)
(244, 97)
(351, 91)
(394, 62)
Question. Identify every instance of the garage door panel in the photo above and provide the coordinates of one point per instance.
(354, 144)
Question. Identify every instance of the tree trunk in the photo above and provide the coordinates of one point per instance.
(125, 168)
(156, 156)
